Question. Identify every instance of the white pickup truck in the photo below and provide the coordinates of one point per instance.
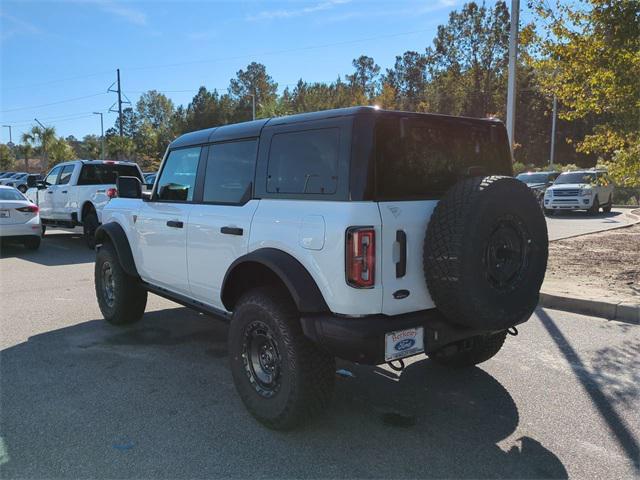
(74, 193)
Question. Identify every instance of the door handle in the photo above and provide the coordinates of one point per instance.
(175, 224)
(401, 266)
(50, 191)
(231, 231)
(63, 191)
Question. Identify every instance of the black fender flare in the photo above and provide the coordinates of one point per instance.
(113, 232)
(295, 277)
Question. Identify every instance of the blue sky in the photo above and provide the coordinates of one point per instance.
(59, 57)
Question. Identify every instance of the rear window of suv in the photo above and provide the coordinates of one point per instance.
(420, 159)
(103, 174)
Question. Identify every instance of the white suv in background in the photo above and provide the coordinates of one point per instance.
(587, 190)
(356, 233)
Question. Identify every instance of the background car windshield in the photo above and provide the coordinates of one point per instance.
(103, 174)
(10, 194)
(577, 177)
(533, 177)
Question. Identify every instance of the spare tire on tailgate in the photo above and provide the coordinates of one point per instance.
(485, 252)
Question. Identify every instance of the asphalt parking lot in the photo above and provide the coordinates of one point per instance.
(568, 224)
(81, 398)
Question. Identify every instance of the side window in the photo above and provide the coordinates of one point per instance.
(230, 170)
(52, 177)
(304, 162)
(65, 175)
(178, 178)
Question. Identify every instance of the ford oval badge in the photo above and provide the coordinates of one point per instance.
(405, 344)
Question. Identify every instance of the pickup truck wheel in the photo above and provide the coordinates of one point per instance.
(281, 376)
(485, 257)
(121, 298)
(470, 352)
(89, 226)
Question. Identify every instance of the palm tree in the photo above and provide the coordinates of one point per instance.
(27, 148)
(45, 137)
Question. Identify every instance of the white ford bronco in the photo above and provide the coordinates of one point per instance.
(357, 233)
(74, 193)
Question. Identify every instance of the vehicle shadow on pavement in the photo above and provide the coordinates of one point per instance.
(581, 215)
(157, 400)
(55, 250)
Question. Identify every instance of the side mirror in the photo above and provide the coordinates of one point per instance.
(129, 187)
(41, 185)
(32, 181)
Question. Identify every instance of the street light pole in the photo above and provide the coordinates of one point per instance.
(10, 138)
(513, 56)
(101, 132)
(553, 132)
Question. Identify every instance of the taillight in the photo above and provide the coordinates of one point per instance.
(360, 257)
(29, 209)
(112, 192)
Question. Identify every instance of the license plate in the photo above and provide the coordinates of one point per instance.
(4, 214)
(403, 343)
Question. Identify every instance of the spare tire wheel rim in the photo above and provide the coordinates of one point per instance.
(261, 357)
(507, 253)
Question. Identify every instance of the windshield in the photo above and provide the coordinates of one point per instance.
(576, 177)
(533, 177)
(11, 194)
(420, 158)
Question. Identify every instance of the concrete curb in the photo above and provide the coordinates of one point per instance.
(621, 312)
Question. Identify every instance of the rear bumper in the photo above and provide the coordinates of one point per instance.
(30, 229)
(362, 339)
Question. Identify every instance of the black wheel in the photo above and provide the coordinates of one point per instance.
(121, 297)
(607, 209)
(485, 253)
(548, 212)
(89, 226)
(32, 243)
(595, 208)
(470, 352)
(44, 230)
(281, 376)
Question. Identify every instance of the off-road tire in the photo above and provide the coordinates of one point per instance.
(607, 208)
(485, 253)
(595, 208)
(470, 352)
(89, 226)
(129, 297)
(304, 385)
(32, 243)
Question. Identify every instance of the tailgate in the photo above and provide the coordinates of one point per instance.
(404, 226)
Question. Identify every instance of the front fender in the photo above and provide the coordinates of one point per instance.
(114, 233)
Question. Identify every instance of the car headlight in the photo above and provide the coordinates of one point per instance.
(586, 192)
(547, 193)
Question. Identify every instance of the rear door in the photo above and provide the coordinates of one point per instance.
(219, 224)
(161, 224)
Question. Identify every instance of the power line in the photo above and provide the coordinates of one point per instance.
(53, 103)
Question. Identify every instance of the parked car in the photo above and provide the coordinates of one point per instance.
(19, 218)
(6, 174)
(356, 233)
(10, 179)
(587, 190)
(538, 182)
(74, 193)
(19, 181)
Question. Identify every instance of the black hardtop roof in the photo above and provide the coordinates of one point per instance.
(253, 128)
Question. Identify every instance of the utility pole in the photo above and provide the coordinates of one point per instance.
(101, 132)
(553, 132)
(118, 90)
(513, 57)
(253, 102)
